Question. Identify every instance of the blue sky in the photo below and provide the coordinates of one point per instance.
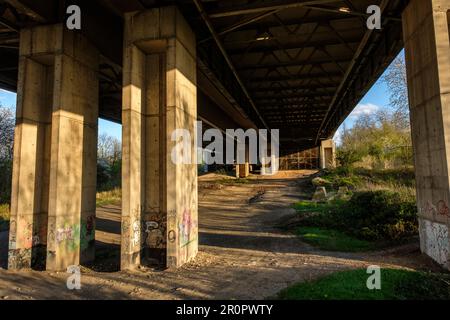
(377, 98)
(8, 99)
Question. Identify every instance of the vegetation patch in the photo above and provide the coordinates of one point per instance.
(313, 207)
(112, 197)
(333, 240)
(351, 285)
(377, 218)
(4, 217)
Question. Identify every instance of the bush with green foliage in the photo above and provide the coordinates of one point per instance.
(380, 215)
(5, 179)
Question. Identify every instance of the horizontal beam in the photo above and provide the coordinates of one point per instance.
(325, 89)
(293, 96)
(315, 76)
(264, 8)
(266, 46)
(300, 63)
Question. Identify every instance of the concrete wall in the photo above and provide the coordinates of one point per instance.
(427, 47)
(54, 170)
(159, 206)
(327, 154)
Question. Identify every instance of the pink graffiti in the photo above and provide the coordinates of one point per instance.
(441, 208)
(64, 234)
(186, 227)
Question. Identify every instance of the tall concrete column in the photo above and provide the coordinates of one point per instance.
(159, 201)
(54, 171)
(427, 47)
(327, 154)
(243, 170)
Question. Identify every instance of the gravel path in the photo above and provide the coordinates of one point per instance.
(242, 254)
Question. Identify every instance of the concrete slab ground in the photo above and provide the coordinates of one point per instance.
(242, 255)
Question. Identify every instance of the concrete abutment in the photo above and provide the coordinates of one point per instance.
(427, 48)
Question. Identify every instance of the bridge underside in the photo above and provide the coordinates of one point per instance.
(155, 66)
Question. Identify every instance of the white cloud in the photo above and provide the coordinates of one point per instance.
(364, 109)
(361, 109)
(338, 136)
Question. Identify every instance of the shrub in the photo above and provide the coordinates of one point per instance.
(320, 182)
(378, 215)
(372, 215)
(5, 181)
(347, 157)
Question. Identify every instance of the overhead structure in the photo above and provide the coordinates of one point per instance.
(152, 65)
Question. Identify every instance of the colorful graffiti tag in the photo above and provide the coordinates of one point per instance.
(440, 208)
(187, 228)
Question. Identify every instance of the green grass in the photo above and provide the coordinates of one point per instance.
(317, 207)
(310, 206)
(112, 197)
(4, 217)
(351, 285)
(332, 240)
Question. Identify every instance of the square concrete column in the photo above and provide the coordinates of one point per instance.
(159, 201)
(327, 154)
(54, 178)
(427, 47)
(243, 170)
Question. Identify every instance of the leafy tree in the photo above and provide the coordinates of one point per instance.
(6, 152)
(396, 81)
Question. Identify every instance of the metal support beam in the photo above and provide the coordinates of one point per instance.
(206, 19)
(279, 7)
(356, 57)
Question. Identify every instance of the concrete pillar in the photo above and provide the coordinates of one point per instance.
(159, 200)
(54, 178)
(427, 48)
(327, 154)
(243, 170)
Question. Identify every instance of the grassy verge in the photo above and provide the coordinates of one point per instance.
(351, 285)
(112, 197)
(376, 209)
(333, 240)
(4, 217)
(310, 206)
(400, 180)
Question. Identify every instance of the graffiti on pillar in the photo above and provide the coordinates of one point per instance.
(136, 234)
(441, 208)
(69, 236)
(64, 234)
(87, 235)
(435, 241)
(90, 225)
(24, 233)
(12, 234)
(19, 258)
(187, 228)
(172, 236)
(154, 234)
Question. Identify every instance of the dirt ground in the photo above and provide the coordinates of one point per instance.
(242, 254)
